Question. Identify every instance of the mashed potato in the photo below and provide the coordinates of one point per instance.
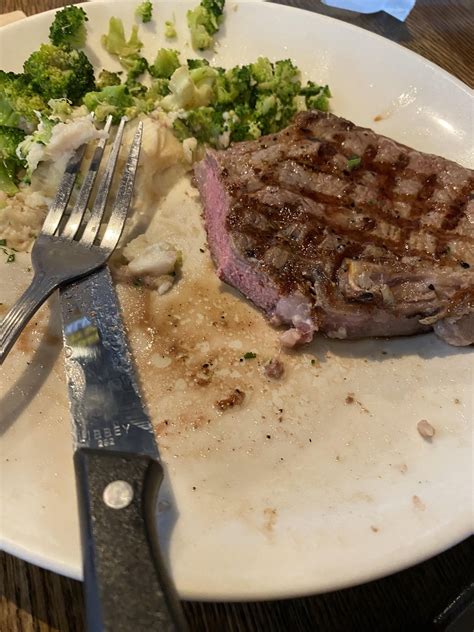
(161, 160)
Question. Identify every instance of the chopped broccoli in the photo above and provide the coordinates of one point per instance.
(112, 100)
(144, 11)
(281, 78)
(313, 89)
(190, 88)
(317, 97)
(59, 73)
(287, 82)
(10, 137)
(61, 109)
(242, 125)
(107, 78)
(116, 44)
(18, 102)
(170, 30)
(262, 72)
(166, 62)
(159, 88)
(247, 101)
(127, 52)
(203, 22)
(135, 67)
(204, 123)
(234, 86)
(68, 28)
(148, 100)
(197, 63)
(271, 114)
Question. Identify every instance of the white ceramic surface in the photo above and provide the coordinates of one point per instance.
(318, 481)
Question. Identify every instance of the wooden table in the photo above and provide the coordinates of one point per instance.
(32, 599)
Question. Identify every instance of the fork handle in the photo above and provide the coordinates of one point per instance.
(21, 312)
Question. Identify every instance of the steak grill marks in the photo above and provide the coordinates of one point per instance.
(301, 207)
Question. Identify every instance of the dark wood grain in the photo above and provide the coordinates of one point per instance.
(440, 30)
(34, 600)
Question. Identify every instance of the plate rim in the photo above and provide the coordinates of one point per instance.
(406, 560)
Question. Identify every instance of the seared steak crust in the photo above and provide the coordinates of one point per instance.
(329, 226)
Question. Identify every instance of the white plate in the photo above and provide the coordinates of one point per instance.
(340, 493)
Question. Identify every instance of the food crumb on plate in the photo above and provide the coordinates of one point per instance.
(274, 369)
(425, 429)
(235, 399)
(418, 503)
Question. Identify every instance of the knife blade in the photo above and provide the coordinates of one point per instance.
(118, 468)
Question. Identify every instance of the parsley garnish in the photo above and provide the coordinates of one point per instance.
(250, 355)
(353, 162)
(9, 252)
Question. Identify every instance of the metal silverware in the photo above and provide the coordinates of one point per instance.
(65, 249)
(118, 470)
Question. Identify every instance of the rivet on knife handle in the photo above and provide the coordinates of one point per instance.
(127, 584)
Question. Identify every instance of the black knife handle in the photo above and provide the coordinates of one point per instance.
(127, 587)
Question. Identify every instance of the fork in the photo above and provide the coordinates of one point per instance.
(66, 250)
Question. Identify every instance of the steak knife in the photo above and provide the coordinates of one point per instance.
(118, 468)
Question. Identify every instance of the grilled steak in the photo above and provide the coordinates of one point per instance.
(329, 226)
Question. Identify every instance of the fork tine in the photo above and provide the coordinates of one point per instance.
(93, 225)
(77, 213)
(124, 194)
(57, 208)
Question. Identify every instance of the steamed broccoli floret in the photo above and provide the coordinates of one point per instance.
(56, 73)
(107, 78)
(170, 30)
(203, 22)
(166, 62)
(18, 102)
(68, 28)
(112, 100)
(10, 137)
(144, 11)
